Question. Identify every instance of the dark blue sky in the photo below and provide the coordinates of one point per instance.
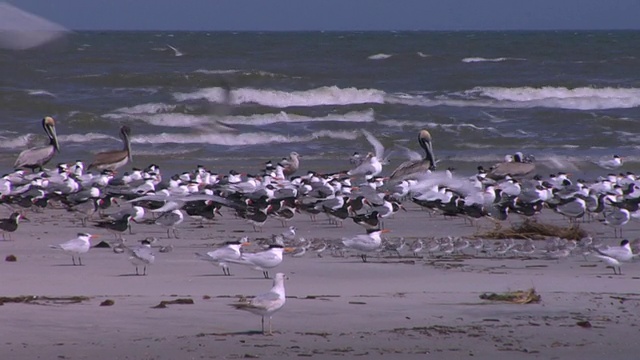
(277, 15)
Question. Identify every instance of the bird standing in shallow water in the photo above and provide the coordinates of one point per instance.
(37, 157)
(266, 304)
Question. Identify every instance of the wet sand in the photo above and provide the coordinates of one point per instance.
(409, 307)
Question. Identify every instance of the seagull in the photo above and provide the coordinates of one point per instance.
(111, 160)
(37, 157)
(291, 164)
(76, 247)
(220, 256)
(611, 163)
(615, 255)
(141, 255)
(176, 52)
(617, 218)
(266, 304)
(170, 219)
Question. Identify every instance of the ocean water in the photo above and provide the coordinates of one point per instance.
(234, 100)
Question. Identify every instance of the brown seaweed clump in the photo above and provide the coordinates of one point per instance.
(515, 297)
(532, 229)
(163, 304)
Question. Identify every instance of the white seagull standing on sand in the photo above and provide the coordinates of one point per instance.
(76, 247)
(615, 255)
(266, 304)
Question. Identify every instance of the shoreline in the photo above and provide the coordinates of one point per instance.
(336, 306)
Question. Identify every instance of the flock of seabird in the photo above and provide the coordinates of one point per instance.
(277, 193)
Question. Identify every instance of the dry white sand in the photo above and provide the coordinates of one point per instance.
(426, 307)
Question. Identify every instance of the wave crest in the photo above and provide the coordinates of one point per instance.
(326, 95)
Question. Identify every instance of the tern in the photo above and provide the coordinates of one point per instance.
(141, 255)
(263, 260)
(76, 247)
(222, 255)
(615, 255)
(368, 242)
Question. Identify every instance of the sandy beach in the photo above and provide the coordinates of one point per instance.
(425, 306)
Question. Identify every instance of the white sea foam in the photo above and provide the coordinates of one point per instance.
(19, 142)
(84, 138)
(283, 117)
(38, 92)
(423, 55)
(481, 59)
(583, 98)
(327, 95)
(380, 56)
(188, 120)
(255, 138)
(238, 72)
(148, 108)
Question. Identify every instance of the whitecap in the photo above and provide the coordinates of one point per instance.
(39, 92)
(326, 95)
(481, 59)
(254, 138)
(582, 98)
(18, 142)
(380, 56)
(148, 108)
(84, 138)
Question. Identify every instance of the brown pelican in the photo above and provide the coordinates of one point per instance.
(37, 157)
(111, 160)
(417, 166)
(514, 167)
